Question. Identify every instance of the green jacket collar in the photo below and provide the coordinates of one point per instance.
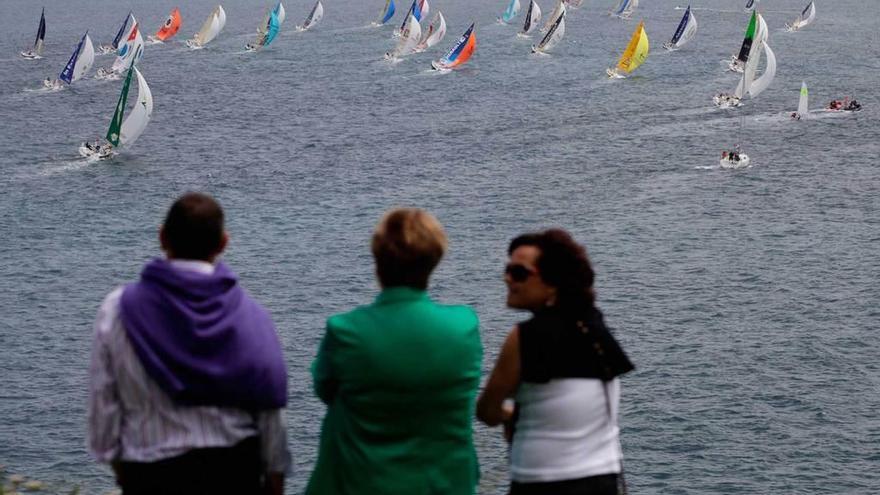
(400, 294)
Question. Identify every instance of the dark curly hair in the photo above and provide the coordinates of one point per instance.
(563, 263)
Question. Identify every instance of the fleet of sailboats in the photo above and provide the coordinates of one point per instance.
(633, 56)
(36, 52)
(686, 30)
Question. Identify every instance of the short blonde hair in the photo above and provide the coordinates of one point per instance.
(407, 244)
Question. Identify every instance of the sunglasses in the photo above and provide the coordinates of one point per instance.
(518, 273)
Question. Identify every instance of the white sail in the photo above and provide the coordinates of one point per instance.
(221, 17)
(533, 17)
(316, 15)
(551, 19)
(553, 36)
(803, 102)
(408, 38)
(767, 77)
(424, 8)
(85, 60)
(137, 120)
(210, 28)
(690, 31)
(281, 14)
(129, 50)
(434, 34)
(805, 18)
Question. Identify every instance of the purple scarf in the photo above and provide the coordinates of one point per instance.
(203, 339)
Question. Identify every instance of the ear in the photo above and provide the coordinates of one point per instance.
(224, 241)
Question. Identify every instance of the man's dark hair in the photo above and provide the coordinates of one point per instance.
(194, 227)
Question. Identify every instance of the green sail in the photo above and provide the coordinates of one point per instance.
(750, 36)
(116, 123)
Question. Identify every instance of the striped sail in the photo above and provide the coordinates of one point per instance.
(460, 53)
(553, 37)
(388, 12)
(533, 17)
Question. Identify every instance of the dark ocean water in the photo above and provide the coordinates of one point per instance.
(747, 298)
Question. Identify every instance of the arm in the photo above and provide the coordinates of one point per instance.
(273, 449)
(104, 408)
(502, 383)
(323, 376)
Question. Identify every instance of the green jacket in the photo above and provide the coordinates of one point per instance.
(399, 378)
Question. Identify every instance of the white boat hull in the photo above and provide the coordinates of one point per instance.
(28, 54)
(101, 153)
(613, 74)
(743, 162)
(726, 101)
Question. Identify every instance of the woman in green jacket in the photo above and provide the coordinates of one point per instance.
(399, 378)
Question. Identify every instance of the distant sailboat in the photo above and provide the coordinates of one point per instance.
(123, 133)
(408, 40)
(625, 8)
(387, 13)
(316, 15)
(805, 19)
(554, 16)
(79, 64)
(803, 108)
(266, 32)
(533, 17)
(686, 30)
(553, 37)
(210, 29)
(130, 50)
(634, 55)
(510, 13)
(748, 85)
(37, 51)
(459, 54)
(434, 34)
(124, 30)
(169, 28)
(415, 11)
(751, 5)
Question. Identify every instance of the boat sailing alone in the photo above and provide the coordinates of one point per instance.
(123, 31)
(434, 34)
(459, 54)
(804, 19)
(634, 55)
(266, 31)
(748, 85)
(533, 17)
(124, 133)
(37, 51)
(553, 37)
(169, 28)
(510, 13)
(408, 40)
(315, 15)
(625, 9)
(210, 29)
(686, 30)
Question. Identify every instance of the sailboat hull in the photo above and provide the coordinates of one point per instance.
(614, 74)
(729, 164)
(28, 54)
(726, 101)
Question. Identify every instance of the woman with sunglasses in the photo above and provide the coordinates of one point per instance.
(559, 369)
(400, 378)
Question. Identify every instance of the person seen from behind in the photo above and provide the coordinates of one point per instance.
(187, 383)
(560, 368)
(399, 378)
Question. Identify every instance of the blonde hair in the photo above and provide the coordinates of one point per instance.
(407, 244)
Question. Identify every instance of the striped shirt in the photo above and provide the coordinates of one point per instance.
(130, 418)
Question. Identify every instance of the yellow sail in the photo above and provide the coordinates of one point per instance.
(636, 52)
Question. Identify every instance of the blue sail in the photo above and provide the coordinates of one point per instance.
(67, 73)
(121, 32)
(413, 10)
(389, 13)
(623, 6)
(274, 26)
(510, 13)
(681, 26)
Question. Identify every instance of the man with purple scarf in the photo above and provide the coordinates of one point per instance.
(187, 381)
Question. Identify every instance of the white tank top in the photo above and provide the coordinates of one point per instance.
(566, 430)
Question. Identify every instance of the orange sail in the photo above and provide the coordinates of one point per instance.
(460, 53)
(171, 26)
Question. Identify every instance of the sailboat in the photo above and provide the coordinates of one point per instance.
(424, 9)
(533, 17)
(37, 51)
(123, 133)
(266, 32)
(434, 34)
(551, 19)
(751, 5)
(686, 30)
(415, 11)
(387, 13)
(625, 9)
(803, 109)
(748, 84)
(408, 40)
(553, 37)
(634, 55)
(280, 13)
(124, 30)
(316, 15)
(209, 30)
(130, 50)
(510, 13)
(738, 62)
(805, 19)
(459, 54)
(169, 28)
(79, 64)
